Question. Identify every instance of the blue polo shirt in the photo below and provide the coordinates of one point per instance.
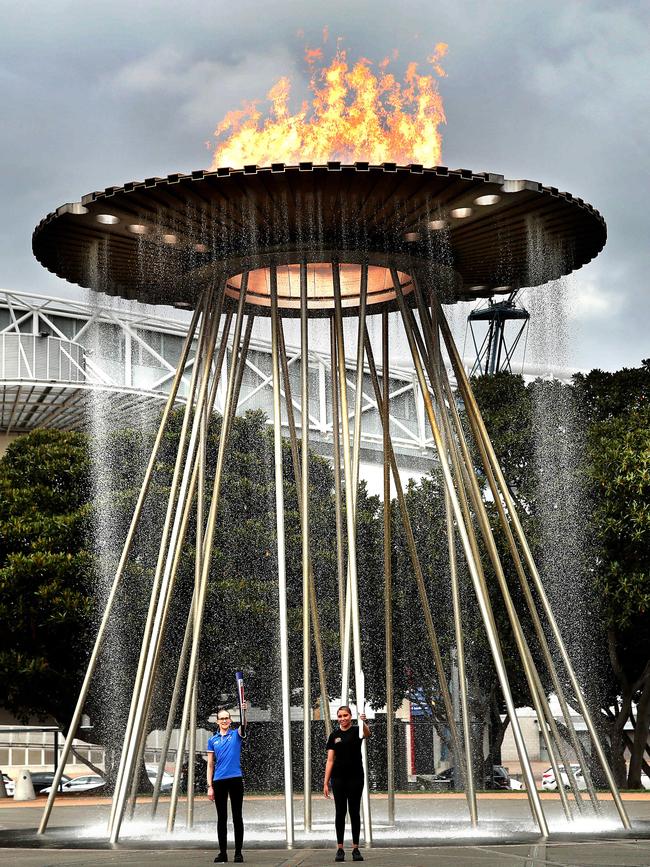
(227, 754)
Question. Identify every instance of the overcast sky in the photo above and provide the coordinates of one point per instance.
(99, 93)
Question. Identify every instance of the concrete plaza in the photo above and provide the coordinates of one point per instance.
(429, 830)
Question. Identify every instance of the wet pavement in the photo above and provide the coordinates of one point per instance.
(428, 831)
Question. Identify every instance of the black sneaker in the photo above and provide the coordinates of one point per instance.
(340, 855)
(356, 855)
(221, 858)
(239, 858)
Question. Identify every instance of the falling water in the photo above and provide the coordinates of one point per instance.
(559, 449)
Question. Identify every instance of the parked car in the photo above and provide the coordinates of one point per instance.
(549, 783)
(445, 781)
(516, 785)
(43, 779)
(9, 785)
(79, 785)
(167, 779)
(498, 779)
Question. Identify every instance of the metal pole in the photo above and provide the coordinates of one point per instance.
(336, 449)
(458, 623)
(530, 671)
(162, 591)
(315, 618)
(464, 470)
(303, 500)
(282, 574)
(90, 670)
(231, 399)
(188, 626)
(460, 659)
(356, 444)
(159, 566)
(419, 578)
(538, 695)
(350, 519)
(388, 588)
(474, 412)
(481, 594)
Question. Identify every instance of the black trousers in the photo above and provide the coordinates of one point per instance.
(233, 786)
(347, 799)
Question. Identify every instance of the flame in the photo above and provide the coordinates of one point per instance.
(356, 113)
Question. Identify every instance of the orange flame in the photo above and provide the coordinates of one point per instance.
(355, 113)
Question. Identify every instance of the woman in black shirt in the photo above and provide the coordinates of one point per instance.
(344, 770)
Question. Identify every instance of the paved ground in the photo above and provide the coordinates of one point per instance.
(76, 836)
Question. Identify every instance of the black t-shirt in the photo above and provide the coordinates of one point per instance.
(347, 753)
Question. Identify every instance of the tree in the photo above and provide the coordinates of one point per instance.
(46, 572)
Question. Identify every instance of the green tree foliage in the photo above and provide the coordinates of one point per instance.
(46, 569)
(597, 435)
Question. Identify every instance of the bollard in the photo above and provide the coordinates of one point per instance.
(24, 790)
(3, 788)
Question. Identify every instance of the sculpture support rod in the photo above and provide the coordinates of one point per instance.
(119, 796)
(315, 617)
(162, 592)
(538, 695)
(463, 465)
(144, 488)
(419, 579)
(231, 400)
(353, 595)
(282, 574)
(388, 583)
(484, 604)
(182, 662)
(303, 499)
(336, 448)
(474, 413)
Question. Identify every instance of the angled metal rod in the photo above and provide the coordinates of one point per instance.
(143, 692)
(238, 366)
(456, 436)
(336, 454)
(231, 399)
(303, 500)
(539, 631)
(356, 446)
(282, 574)
(144, 488)
(178, 683)
(388, 577)
(460, 657)
(353, 593)
(204, 305)
(176, 540)
(422, 591)
(463, 461)
(182, 662)
(315, 617)
(540, 702)
(200, 553)
(473, 411)
(458, 621)
(477, 578)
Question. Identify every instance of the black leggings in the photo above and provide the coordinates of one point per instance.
(347, 798)
(233, 786)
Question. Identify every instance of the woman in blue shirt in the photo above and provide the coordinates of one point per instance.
(224, 779)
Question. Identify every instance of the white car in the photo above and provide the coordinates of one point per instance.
(549, 783)
(9, 785)
(516, 785)
(166, 782)
(79, 785)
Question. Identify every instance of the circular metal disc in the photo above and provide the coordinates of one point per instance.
(469, 235)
